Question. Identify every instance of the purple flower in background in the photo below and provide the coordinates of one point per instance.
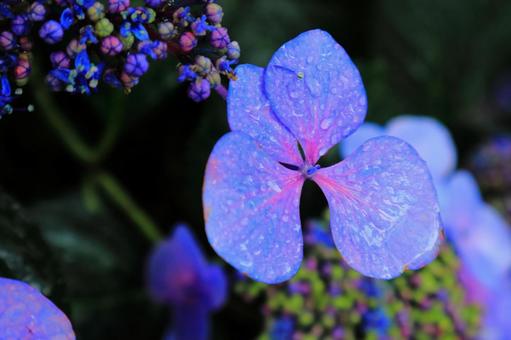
(27, 314)
(478, 232)
(179, 276)
(383, 206)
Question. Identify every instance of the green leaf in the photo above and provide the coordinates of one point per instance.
(103, 260)
(24, 255)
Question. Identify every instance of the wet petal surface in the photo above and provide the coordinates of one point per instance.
(251, 209)
(383, 207)
(249, 111)
(316, 91)
(363, 133)
(27, 314)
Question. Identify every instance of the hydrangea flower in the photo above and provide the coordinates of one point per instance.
(116, 36)
(383, 206)
(179, 276)
(477, 231)
(27, 314)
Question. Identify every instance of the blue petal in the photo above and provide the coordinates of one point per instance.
(5, 11)
(125, 29)
(140, 32)
(249, 111)
(82, 62)
(251, 209)
(5, 87)
(383, 207)
(26, 314)
(316, 91)
(430, 138)
(459, 198)
(66, 18)
(317, 234)
(217, 286)
(364, 133)
(485, 246)
(496, 323)
(189, 322)
(176, 269)
(62, 74)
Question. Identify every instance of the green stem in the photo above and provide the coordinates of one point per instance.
(69, 136)
(113, 128)
(124, 202)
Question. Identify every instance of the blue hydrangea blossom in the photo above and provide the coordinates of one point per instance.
(179, 276)
(27, 314)
(383, 206)
(480, 235)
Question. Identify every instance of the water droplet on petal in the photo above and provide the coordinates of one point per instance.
(314, 86)
(294, 94)
(326, 123)
(274, 186)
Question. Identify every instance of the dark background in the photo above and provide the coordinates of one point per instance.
(442, 58)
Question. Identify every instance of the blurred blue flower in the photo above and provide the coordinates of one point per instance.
(178, 275)
(27, 314)
(377, 321)
(430, 138)
(282, 329)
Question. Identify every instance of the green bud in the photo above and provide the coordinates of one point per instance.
(127, 42)
(96, 11)
(104, 28)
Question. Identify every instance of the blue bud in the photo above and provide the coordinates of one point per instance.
(51, 32)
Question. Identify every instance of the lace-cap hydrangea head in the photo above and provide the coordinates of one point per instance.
(178, 275)
(27, 314)
(383, 206)
(478, 232)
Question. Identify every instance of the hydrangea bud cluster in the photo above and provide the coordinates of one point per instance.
(327, 299)
(16, 21)
(114, 42)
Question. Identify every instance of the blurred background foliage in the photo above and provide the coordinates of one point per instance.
(443, 58)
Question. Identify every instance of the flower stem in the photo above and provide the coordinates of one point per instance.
(92, 156)
(124, 202)
(62, 126)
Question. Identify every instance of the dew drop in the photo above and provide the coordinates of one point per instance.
(335, 138)
(310, 59)
(314, 86)
(294, 94)
(274, 186)
(326, 123)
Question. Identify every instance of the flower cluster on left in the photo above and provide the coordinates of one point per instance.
(113, 42)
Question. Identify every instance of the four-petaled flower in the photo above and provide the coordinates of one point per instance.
(383, 205)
